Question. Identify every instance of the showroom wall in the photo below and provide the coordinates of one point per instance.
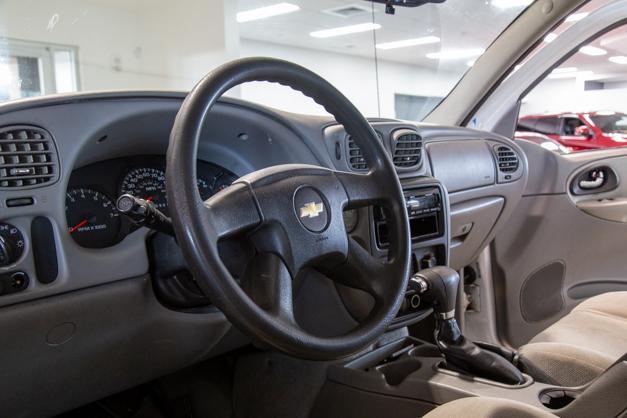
(168, 47)
(354, 76)
(568, 95)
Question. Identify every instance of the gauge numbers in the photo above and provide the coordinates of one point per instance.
(147, 184)
(93, 221)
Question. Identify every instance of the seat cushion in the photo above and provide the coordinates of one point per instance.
(580, 346)
(487, 408)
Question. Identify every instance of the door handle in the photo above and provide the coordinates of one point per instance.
(596, 178)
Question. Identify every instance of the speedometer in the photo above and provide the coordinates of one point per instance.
(93, 221)
(147, 184)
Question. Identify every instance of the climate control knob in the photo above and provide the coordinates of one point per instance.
(11, 244)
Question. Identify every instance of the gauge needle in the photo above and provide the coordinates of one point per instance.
(78, 225)
(149, 199)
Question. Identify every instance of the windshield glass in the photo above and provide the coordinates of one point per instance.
(611, 123)
(390, 65)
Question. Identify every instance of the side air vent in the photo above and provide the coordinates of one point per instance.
(507, 159)
(406, 148)
(28, 158)
(355, 157)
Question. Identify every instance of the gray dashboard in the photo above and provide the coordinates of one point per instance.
(62, 319)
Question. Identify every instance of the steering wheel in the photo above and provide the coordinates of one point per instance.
(293, 213)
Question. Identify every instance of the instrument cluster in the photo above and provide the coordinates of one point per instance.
(92, 218)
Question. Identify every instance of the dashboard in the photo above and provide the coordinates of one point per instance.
(90, 205)
(80, 284)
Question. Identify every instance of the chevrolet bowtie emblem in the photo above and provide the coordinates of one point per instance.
(311, 210)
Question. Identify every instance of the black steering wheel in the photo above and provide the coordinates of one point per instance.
(293, 214)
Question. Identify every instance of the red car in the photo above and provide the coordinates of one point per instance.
(578, 131)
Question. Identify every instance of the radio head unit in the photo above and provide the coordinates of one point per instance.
(426, 216)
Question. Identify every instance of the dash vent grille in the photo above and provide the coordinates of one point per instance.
(507, 159)
(407, 148)
(28, 158)
(355, 157)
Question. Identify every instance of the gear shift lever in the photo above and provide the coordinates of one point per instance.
(438, 285)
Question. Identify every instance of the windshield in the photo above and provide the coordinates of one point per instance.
(611, 123)
(389, 65)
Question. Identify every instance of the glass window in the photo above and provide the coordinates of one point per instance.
(587, 93)
(548, 126)
(29, 69)
(571, 125)
(398, 65)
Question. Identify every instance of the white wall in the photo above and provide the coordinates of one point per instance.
(354, 76)
(568, 95)
(166, 46)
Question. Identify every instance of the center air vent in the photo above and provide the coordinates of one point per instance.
(507, 159)
(28, 158)
(406, 148)
(355, 157)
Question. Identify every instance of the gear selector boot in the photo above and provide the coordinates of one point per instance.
(438, 285)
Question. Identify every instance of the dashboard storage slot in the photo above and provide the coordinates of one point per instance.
(44, 250)
(28, 158)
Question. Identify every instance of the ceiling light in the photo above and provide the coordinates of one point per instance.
(452, 54)
(592, 50)
(425, 40)
(265, 12)
(345, 30)
(563, 70)
(506, 4)
(576, 74)
(550, 37)
(620, 59)
(575, 17)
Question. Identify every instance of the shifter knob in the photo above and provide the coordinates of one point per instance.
(438, 285)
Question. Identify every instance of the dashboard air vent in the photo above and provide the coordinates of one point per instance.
(28, 158)
(507, 159)
(355, 158)
(407, 148)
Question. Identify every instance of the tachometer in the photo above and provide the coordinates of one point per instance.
(147, 184)
(93, 221)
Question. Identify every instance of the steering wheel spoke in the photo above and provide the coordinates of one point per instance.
(361, 270)
(232, 211)
(361, 189)
(269, 284)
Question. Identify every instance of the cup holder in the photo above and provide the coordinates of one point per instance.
(396, 372)
(556, 398)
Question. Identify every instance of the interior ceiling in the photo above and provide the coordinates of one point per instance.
(458, 23)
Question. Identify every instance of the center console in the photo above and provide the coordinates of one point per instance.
(407, 378)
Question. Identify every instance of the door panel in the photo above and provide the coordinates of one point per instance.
(562, 244)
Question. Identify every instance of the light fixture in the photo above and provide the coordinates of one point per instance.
(452, 54)
(345, 30)
(619, 59)
(265, 12)
(563, 70)
(574, 74)
(575, 17)
(550, 37)
(470, 63)
(506, 4)
(592, 51)
(425, 40)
